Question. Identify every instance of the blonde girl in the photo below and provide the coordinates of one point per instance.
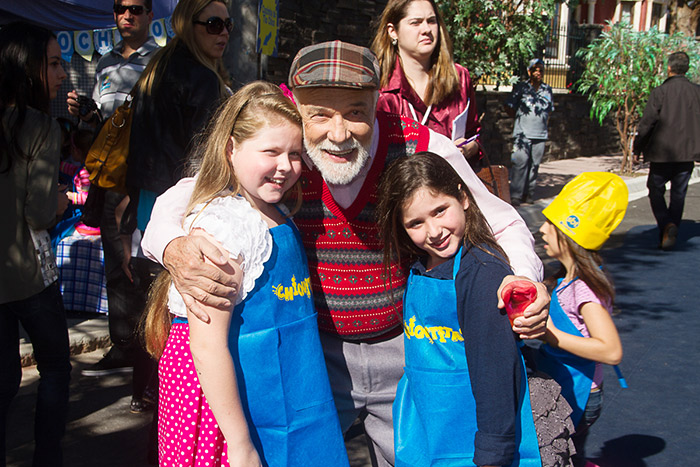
(249, 387)
(581, 334)
(463, 399)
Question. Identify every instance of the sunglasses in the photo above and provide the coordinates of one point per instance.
(133, 9)
(215, 25)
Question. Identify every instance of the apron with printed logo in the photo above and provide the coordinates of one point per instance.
(574, 374)
(434, 410)
(280, 369)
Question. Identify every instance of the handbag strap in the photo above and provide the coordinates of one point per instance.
(487, 165)
(123, 110)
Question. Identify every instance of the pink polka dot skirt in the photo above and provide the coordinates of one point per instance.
(188, 435)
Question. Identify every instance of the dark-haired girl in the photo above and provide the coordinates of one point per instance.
(463, 398)
(30, 76)
(581, 334)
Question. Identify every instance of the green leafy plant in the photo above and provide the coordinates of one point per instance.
(492, 38)
(622, 67)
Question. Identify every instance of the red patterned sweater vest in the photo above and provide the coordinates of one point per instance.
(352, 298)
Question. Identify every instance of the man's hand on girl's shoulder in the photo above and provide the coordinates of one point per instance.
(197, 281)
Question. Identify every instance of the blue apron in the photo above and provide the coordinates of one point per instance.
(434, 411)
(574, 374)
(280, 369)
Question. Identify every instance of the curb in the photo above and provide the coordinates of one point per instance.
(84, 335)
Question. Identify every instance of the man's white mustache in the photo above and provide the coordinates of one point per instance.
(327, 145)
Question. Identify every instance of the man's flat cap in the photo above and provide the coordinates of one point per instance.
(335, 64)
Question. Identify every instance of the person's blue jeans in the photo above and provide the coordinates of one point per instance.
(122, 296)
(525, 163)
(44, 319)
(591, 413)
(678, 173)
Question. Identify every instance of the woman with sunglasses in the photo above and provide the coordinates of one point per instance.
(175, 95)
(30, 140)
(179, 89)
(419, 77)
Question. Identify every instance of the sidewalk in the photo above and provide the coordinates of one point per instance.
(554, 175)
(88, 333)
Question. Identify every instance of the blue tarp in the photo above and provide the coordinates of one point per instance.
(71, 15)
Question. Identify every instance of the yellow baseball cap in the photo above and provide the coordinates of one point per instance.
(589, 208)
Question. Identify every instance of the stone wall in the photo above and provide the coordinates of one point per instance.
(306, 22)
(571, 132)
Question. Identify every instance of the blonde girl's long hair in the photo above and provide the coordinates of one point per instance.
(444, 80)
(400, 182)
(256, 105)
(182, 19)
(588, 266)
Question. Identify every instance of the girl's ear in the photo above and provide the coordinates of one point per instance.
(465, 200)
(230, 145)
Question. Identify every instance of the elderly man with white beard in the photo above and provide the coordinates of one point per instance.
(349, 144)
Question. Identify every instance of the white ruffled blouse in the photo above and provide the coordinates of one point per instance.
(233, 222)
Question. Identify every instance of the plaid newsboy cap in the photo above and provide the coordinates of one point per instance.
(335, 64)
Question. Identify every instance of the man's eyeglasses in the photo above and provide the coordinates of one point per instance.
(135, 10)
(215, 25)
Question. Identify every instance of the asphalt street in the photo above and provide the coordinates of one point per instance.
(655, 422)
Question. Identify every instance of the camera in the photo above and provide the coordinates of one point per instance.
(86, 105)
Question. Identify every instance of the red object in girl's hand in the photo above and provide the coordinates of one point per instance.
(517, 296)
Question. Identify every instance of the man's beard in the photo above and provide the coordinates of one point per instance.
(337, 173)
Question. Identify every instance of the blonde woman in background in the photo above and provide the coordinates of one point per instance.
(178, 91)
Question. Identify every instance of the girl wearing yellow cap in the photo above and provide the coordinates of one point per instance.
(581, 334)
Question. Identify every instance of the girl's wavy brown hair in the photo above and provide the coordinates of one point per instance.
(588, 266)
(400, 182)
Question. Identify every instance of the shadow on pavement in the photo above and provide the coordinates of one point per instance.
(629, 451)
(549, 185)
(640, 270)
(656, 420)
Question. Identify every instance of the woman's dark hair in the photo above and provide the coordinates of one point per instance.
(400, 182)
(22, 81)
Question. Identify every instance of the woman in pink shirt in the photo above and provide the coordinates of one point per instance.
(419, 77)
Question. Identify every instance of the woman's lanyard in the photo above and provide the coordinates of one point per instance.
(425, 116)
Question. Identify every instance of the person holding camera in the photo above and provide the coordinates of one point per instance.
(118, 70)
(117, 73)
